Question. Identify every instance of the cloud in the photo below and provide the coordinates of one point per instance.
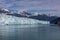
(32, 4)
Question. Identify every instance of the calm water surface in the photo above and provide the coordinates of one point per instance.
(29, 32)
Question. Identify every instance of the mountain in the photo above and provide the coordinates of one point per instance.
(3, 10)
(34, 16)
(25, 14)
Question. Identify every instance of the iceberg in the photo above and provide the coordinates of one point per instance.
(8, 19)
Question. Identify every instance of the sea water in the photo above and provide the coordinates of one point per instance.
(29, 32)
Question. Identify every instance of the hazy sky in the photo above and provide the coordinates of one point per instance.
(42, 6)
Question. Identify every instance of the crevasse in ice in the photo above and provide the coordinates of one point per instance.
(7, 19)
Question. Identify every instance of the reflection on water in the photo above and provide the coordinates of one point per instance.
(29, 32)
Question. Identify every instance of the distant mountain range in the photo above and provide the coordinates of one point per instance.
(29, 15)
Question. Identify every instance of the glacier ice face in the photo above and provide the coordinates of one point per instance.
(7, 19)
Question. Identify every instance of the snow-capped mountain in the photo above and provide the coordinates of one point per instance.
(33, 16)
(3, 10)
(23, 15)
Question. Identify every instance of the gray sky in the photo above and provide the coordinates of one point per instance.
(42, 6)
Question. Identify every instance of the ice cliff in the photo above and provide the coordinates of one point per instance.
(7, 19)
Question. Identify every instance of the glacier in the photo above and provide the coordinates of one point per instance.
(8, 19)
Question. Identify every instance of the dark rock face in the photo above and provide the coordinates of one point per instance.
(56, 21)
